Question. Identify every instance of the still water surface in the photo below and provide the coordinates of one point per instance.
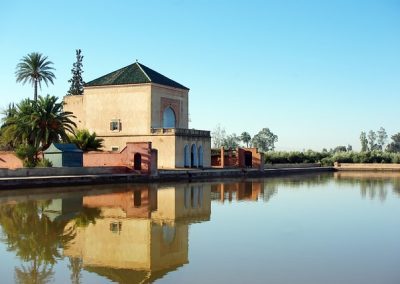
(330, 228)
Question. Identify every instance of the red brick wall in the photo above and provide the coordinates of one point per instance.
(8, 160)
(123, 158)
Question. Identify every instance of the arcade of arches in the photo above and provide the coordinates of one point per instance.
(193, 156)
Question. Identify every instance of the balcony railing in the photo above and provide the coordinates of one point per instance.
(181, 132)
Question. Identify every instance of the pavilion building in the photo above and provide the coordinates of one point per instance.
(138, 104)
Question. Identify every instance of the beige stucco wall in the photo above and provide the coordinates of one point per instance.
(130, 104)
(75, 105)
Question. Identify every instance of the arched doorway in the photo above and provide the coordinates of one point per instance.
(137, 162)
(248, 159)
(169, 118)
(186, 156)
(193, 156)
(200, 160)
(137, 198)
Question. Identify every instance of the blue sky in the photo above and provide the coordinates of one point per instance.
(317, 73)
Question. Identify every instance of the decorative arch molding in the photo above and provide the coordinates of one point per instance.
(175, 105)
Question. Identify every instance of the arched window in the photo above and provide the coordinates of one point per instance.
(193, 156)
(186, 156)
(169, 119)
(200, 153)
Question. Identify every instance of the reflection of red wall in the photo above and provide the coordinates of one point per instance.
(123, 158)
(243, 190)
(123, 200)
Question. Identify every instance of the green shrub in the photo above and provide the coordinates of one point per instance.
(27, 153)
(329, 158)
(44, 163)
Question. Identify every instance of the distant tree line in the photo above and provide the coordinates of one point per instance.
(264, 140)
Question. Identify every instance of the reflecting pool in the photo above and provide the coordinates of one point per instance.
(320, 228)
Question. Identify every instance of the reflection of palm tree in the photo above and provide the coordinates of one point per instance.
(34, 238)
(34, 274)
(86, 216)
(75, 265)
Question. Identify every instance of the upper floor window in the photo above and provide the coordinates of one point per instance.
(115, 125)
(169, 119)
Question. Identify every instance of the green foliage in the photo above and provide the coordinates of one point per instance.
(364, 141)
(328, 158)
(245, 138)
(340, 149)
(382, 138)
(37, 123)
(394, 146)
(27, 153)
(231, 141)
(86, 141)
(218, 135)
(76, 81)
(265, 140)
(50, 124)
(372, 140)
(35, 68)
(295, 157)
(375, 156)
(44, 163)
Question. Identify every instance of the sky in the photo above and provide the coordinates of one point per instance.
(315, 72)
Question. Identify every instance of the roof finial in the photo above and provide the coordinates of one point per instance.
(137, 60)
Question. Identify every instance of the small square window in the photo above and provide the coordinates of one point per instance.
(115, 125)
(114, 148)
(115, 227)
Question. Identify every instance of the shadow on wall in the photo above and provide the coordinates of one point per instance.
(135, 155)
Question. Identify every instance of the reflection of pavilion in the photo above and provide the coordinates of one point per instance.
(142, 234)
(238, 190)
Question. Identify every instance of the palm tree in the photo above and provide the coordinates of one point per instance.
(246, 138)
(35, 68)
(50, 123)
(86, 141)
(39, 123)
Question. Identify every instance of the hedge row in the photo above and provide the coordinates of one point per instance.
(326, 158)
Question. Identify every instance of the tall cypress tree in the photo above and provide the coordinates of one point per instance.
(76, 80)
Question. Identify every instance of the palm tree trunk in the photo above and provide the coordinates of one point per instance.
(35, 92)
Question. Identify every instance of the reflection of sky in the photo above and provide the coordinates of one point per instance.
(317, 233)
(8, 263)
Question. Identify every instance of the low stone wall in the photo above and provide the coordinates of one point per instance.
(39, 172)
(366, 167)
(292, 166)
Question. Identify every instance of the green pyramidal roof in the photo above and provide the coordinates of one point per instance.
(135, 73)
